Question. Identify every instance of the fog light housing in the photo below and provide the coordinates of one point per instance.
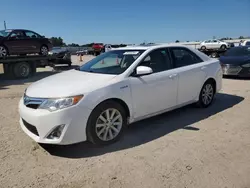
(56, 132)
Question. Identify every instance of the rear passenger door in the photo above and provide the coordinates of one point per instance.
(192, 73)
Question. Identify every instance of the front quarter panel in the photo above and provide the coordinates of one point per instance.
(118, 90)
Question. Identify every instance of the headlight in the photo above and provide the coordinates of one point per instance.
(60, 103)
(246, 65)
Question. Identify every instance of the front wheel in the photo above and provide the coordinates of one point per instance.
(223, 47)
(106, 123)
(206, 95)
(203, 47)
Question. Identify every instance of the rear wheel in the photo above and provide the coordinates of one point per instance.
(44, 50)
(206, 94)
(214, 55)
(22, 70)
(3, 51)
(106, 123)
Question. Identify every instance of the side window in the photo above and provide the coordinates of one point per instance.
(17, 35)
(184, 57)
(30, 34)
(158, 60)
(215, 41)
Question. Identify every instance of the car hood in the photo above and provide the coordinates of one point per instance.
(234, 60)
(68, 83)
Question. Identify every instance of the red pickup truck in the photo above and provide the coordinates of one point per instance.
(97, 47)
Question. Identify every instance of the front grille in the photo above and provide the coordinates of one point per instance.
(34, 106)
(31, 102)
(30, 127)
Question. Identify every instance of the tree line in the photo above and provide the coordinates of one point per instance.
(58, 41)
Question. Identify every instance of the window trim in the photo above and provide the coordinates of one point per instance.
(188, 50)
(146, 55)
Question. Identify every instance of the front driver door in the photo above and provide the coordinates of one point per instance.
(157, 91)
(16, 42)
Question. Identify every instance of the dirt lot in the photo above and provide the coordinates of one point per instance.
(188, 147)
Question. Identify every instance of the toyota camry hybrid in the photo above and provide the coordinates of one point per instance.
(115, 89)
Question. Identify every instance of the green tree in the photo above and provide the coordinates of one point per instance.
(57, 41)
(177, 41)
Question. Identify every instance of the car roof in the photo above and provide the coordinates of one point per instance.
(151, 46)
(18, 30)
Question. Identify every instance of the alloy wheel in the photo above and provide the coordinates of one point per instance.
(207, 94)
(109, 124)
(3, 51)
(44, 50)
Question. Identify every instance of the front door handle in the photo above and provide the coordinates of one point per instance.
(202, 68)
(172, 76)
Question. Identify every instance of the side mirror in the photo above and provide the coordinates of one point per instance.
(143, 70)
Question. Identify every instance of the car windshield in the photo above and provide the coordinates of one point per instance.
(4, 33)
(248, 43)
(241, 51)
(112, 62)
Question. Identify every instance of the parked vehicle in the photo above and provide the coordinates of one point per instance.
(62, 56)
(22, 42)
(245, 43)
(117, 88)
(98, 48)
(236, 61)
(82, 52)
(214, 44)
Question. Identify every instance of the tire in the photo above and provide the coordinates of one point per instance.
(44, 50)
(223, 47)
(214, 55)
(203, 47)
(3, 51)
(207, 90)
(22, 70)
(104, 128)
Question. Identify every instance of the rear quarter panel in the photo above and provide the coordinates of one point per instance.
(214, 71)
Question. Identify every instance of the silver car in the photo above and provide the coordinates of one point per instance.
(214, 44)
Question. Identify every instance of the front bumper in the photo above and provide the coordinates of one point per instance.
(38, 124)
(232, 70)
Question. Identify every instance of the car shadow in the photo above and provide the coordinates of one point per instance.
(148, 130)
(5, 83)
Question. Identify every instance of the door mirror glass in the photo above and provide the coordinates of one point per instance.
(143, 70)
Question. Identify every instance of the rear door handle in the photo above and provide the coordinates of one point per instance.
(172, 76)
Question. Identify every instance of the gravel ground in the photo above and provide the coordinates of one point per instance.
(188, 147)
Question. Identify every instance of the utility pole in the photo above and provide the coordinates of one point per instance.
(4, 25)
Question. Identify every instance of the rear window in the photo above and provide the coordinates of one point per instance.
(238, 51)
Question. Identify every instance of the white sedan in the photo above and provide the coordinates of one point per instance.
(115, 89)
(214, 44)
